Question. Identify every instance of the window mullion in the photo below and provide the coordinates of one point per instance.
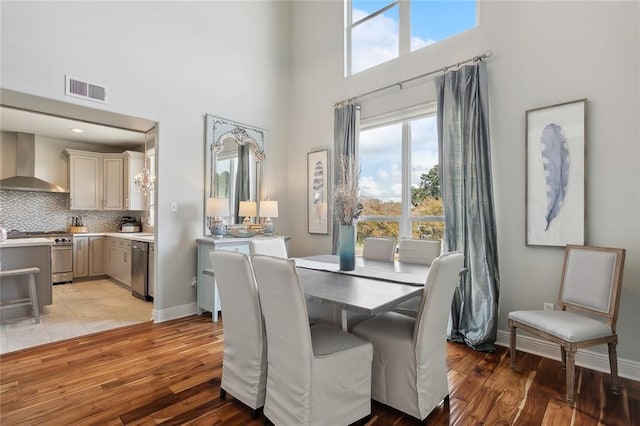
(404, 24)
(405, 224)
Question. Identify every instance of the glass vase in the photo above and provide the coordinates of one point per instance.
(347, 247)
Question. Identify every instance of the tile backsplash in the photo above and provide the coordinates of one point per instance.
(45, 211)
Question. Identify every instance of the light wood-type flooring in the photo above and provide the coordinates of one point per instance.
(169, 373)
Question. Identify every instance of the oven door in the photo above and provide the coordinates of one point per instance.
(61, 264)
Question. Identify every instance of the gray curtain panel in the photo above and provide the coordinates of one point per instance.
(346, 127)
(243, 184)
(467, 194)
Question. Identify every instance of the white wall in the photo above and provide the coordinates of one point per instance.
(169, 62)
(544, 53)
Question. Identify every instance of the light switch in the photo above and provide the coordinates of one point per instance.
(174, 207)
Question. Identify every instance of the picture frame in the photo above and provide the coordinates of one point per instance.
(555, 147)
(318, 175)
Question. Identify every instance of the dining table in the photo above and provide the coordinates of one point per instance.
(371, 288)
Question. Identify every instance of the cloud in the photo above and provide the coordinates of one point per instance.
(376, 40)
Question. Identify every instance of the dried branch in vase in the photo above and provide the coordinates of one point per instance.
(347, 207)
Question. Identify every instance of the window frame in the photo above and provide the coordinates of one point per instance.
(404, 116)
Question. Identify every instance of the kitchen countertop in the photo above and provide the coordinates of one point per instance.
(26, 242)
(146, 237)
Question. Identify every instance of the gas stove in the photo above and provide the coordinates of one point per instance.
(58, 237)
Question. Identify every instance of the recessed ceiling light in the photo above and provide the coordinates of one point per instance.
(76, 130)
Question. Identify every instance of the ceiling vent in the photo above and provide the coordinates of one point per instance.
(82, 89)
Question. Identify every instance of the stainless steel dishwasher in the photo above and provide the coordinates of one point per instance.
(139, 262)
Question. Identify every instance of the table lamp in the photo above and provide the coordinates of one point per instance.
(248, 210)
(217, 208)
(268, 209)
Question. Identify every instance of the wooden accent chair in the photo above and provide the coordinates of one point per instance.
(589, 298)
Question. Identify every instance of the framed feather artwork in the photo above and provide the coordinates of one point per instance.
(318, 192)
(555, 176)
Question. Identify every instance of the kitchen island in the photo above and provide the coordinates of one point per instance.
(24, 253)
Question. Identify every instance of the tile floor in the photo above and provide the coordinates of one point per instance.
(77, 309)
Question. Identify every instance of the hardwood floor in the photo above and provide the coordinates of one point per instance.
(169, 373)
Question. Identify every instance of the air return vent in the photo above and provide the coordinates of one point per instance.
(82, 89)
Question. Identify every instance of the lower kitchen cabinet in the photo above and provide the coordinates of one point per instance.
(88, 257)
(96, 256)
(80, 257)
(119, 257)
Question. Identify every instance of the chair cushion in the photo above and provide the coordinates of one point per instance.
(566, 325)
(327, 340)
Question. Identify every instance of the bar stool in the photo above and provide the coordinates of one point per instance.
(32, 300)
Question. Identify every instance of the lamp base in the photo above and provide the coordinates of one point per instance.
(267, 228)
(217, 228)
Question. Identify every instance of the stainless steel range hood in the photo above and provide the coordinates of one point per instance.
(25, 179)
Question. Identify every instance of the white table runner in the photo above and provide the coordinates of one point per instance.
(368, 272)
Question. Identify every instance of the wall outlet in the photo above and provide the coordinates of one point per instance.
(548, 306)
(194, 281)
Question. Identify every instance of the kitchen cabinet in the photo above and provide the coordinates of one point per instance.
(88, 256)
(80, 257)
(96, 256)
(133, 164)
(112, 185)
(85, 183)
(95, 180)
(120, 260)
(151, 275)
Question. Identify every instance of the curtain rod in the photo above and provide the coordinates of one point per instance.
(476, 58)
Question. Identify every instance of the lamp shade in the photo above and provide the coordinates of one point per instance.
(217, 207)
(247, 209)
(268, 208)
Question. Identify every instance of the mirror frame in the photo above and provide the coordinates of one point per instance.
(217, 130)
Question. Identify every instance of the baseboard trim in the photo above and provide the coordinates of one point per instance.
(584, 358)
(162, 315)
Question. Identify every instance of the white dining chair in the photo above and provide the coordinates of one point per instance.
(409, 355)
(419, 252)
(244, 364)
(588, 300)
(379, 248)
(318, 375)
(268, 246)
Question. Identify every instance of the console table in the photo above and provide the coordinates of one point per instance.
(207, 298)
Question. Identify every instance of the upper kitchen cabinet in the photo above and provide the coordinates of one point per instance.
(95, 180)
(133, 164)
(85, 183)
(112, 182)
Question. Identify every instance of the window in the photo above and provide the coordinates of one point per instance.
(399, 176)
(380, 30)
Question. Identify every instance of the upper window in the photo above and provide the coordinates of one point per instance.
(381, 30)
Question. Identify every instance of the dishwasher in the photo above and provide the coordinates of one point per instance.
(139, 262)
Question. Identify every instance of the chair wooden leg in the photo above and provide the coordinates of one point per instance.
(563, 354)
(223, 393)
(512, 346)
(613, 363)
(571, 376)
(33, 296)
